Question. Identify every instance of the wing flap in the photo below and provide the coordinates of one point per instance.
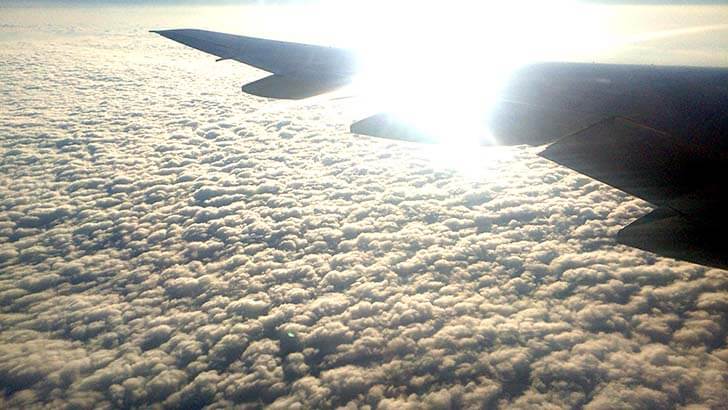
(668, 233)
(639, 160)
(515, 123)
(508, 123)
(292, 88)
(387, 125)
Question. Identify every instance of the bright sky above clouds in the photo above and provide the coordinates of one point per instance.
(556, 30)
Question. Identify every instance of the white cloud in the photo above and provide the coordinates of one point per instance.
(167, 240)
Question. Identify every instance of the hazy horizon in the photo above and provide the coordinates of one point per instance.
(662, 35)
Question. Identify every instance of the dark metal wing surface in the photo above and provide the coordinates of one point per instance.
(300, 70)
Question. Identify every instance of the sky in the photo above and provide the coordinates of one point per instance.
(642, 34)
(168, 241)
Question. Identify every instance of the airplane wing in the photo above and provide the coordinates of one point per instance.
(299, 70)
(658, 133)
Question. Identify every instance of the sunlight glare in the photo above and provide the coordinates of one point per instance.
(441, 66)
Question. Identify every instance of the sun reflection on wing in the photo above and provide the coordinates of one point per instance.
(440, 66)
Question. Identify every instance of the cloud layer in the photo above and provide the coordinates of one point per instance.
(166, 240)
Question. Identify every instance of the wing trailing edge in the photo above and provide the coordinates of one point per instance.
(636, 159)
(682, 180)
(508, 123)
(668, 233)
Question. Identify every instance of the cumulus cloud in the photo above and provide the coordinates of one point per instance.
(168, 241)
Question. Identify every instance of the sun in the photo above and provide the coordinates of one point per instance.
(442, 65)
